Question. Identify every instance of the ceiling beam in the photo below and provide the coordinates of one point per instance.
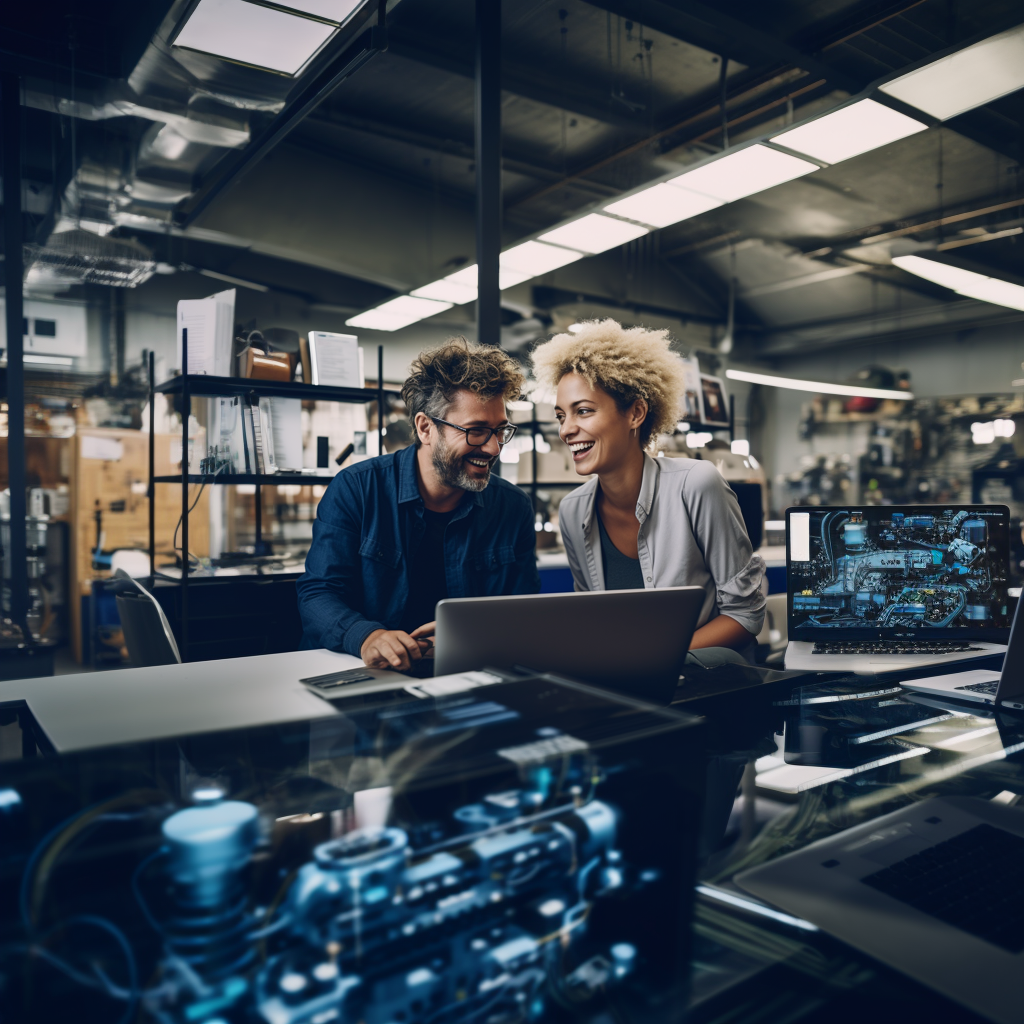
(718, 32)
(801, 339)
(443, 141)
(529, 81)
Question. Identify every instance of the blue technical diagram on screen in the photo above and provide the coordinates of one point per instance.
(891, 570)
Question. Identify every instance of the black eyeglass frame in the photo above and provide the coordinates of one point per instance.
(491, 432)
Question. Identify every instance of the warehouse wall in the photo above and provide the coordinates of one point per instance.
(971, 362)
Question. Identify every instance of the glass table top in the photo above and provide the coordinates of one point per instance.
(798, 763)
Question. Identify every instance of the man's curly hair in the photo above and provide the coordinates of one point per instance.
(627, 362)
(459, 365)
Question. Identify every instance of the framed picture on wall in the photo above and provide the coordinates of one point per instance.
(716, 410)
(691, 405)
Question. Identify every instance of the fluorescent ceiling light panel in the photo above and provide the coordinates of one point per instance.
(964, 282)
(334, 10)
(537, 258)
(744, 173)
(818, 387)
(466, 276)
(930, 270)
(850, 131)
(47, 360)
(966, 79)
(397, 313)
(996, 291)
(447, 290)
(594, 233)
(663, 205)
(510, 278)
(253, 34)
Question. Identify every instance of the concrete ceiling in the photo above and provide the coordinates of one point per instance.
(371, 193)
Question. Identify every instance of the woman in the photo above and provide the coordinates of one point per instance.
(641, 521)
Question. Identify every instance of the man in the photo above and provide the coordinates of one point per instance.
(396, 534)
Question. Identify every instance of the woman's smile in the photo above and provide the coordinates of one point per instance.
(581, 449)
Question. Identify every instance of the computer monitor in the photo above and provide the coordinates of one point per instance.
(632, 641)
(885, 572)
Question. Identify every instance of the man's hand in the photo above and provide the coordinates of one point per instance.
(424, 636)
(390, 648)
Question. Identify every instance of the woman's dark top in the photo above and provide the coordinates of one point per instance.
(620, 571)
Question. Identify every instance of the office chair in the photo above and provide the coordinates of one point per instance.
(147, 633)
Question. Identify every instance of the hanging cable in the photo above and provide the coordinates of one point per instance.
(723, 74)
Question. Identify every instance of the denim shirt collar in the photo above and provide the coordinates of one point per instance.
(409, 488)
(648, 488)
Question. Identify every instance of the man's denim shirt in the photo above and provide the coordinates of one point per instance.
(368, 522)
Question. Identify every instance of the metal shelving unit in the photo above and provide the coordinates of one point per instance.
(201, 385)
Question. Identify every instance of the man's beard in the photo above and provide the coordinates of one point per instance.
(451, 470)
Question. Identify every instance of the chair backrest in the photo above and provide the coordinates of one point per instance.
(147, 633)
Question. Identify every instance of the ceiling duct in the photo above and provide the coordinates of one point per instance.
(181, 114)
(81, 257)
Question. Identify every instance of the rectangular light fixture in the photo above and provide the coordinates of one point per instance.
(338, 11)
(966, 79)
(397, 313)
(508, 278)
(964, 282)
(817, 387)
(466, 276)
(249, 33)
(594, 233)
(850, 131)
(662, 205)
(47, 360)
(461, 286)
(447, 290)
(996, 291)
(537, 258)
(744, 173)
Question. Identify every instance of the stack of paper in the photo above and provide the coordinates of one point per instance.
(335, 359)
(286, 422)
(210, 324)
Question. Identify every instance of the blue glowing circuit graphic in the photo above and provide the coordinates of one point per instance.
(883, 569)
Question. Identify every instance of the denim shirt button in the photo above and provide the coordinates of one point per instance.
(648, 579)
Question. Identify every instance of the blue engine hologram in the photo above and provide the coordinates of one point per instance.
(478, 926)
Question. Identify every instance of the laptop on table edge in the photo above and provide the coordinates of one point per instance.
(631, 641)
(1003, 689)
(887, 588)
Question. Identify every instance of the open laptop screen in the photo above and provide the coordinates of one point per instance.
(898, 571)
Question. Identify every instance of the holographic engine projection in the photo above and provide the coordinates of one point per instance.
(882, 569)
(538, 887)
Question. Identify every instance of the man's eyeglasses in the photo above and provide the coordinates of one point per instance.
(477, 436)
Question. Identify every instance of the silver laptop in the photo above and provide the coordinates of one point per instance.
(1005, 688)
(933, 890)
(632, 641)
(884, 588)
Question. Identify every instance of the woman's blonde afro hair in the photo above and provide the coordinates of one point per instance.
(627, 362)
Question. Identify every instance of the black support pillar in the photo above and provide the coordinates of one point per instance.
(488, 169)
(10, 106)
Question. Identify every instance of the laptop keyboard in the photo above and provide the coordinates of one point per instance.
(893, 647)
(989, 688)
(972, 882)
